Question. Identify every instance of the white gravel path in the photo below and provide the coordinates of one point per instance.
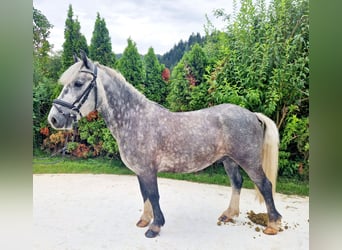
(85, 211)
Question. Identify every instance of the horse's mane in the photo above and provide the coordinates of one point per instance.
(119, 79)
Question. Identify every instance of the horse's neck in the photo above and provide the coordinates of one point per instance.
(122, 105)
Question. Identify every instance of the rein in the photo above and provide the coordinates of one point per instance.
(77, 104)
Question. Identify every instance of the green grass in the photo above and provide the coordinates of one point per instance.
(58, 165)
(212, 175)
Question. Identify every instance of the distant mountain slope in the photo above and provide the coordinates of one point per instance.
(172, 57)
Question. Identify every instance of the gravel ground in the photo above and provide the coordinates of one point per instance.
(85, 211)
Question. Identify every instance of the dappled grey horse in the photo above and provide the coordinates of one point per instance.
(152, 139)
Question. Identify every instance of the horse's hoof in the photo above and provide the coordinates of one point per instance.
(273, 227)
(225, 219)
(151, 234)
(142, 223)
(270, 231)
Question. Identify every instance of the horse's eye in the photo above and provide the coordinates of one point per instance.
(78, 84)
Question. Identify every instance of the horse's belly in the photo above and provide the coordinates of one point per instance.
(186, 163)
(180, 167)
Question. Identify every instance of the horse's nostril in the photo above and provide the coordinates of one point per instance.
(54, 121)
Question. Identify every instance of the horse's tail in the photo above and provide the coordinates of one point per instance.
(270, 152)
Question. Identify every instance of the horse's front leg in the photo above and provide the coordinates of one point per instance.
(147, 215)
(149, 190)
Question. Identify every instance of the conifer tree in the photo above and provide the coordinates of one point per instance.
(196, 62)
(101, 46)
(131, 66)
(179, 92)
(74, 40)
(80, 40)
(188, 87)
(155, 88)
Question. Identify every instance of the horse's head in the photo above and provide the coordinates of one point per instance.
(78, 96)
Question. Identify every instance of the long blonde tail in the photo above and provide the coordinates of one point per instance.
(270, 152)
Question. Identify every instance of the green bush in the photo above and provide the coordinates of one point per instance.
(94, 132)
(43, 94)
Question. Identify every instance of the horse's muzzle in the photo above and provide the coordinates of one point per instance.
(61, 121)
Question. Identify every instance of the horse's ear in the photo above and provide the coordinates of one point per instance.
(85, 59)
(76, 58)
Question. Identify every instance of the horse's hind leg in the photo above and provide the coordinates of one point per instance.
(258, 176)
(236, 180)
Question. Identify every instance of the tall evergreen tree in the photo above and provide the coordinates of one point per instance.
(80, 40)
(188, 87)
(131, 65)
(155, 87)
(101, 46)
(74, 40)
(179, 92)
(196, 61)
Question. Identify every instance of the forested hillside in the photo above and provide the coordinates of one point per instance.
(260, 61)
(172, 57)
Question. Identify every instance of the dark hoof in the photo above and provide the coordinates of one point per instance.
(151, 234)
(224, 219)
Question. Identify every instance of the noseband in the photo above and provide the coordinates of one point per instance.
(77, 104)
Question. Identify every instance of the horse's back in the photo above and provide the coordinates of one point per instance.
(230, 118)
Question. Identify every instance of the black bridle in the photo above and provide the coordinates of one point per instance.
(77, 104)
